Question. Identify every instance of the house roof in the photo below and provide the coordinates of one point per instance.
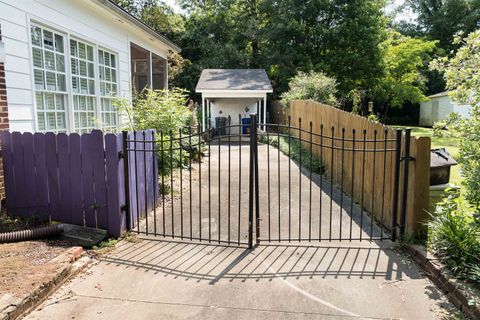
(440, 94)
(134, 20)
(234, 80)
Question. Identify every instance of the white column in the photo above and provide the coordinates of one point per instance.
(264, 111)
(203, 113)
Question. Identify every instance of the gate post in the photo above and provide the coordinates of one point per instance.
(406, 164)
(396, 185)
(126, 206)
(251, 183)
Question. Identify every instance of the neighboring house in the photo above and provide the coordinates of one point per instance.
(438, 107)
(234, 93)
(67, 60)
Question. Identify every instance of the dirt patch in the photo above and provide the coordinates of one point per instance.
(27, 265)
(8, 224)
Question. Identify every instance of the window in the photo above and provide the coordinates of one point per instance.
(93, 75)
(49, 78)
(107, 68)
(83, 85)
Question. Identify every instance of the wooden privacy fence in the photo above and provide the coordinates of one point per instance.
(377, 167)
(72, 178)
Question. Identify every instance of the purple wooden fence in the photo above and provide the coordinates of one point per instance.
(74, 179)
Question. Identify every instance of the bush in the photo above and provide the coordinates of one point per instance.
(164, 111)
(454, 236)
(312, 86)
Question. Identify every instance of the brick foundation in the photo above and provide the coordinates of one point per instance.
(3, 118)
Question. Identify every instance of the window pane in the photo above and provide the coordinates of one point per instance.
(61, 86)
(73, 48)
(82, 103)
(61, 120)
(47, 39)
(39, 100)
(60, 60)
(91, 87)
(75, 85)
(50, 101)
(90, 53)
(107, 59)
(91, 70)
(83, 68)
(82, 51)
(58, 43)
(83, 86)
(51, 82)
(114, 75)
(37, 57)
(112, 61)
(60, 102)
(49, 60)
(100, 57)
(51, 121)
(36, 36)
(107, 74)
(39, 81)
(41, 121)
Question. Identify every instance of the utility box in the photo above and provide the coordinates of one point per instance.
(440, 163)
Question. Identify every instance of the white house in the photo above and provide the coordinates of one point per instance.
(66, 60)
(438, 107)
(233, 93)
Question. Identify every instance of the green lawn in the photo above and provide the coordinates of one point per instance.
(450, 144)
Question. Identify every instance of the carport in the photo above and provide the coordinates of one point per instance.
(234, 93)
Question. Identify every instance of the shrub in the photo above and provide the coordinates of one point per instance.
(165, 111)
(315, 86)
(454, 236)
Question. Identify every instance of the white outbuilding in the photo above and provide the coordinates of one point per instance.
(438, 107)
(234, 94)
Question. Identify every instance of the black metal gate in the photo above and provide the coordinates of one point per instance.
(242, 184)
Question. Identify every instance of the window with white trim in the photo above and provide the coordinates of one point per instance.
(48, 57)
(83, 85)
(107, 68)
(88, 99)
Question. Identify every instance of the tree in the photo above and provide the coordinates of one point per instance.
(443, 19)
(462, 75)
(403, 59)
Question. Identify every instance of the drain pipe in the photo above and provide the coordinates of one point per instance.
(31, 234)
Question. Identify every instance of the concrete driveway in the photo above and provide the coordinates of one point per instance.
(155, 279)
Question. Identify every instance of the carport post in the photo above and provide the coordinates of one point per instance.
(203, 113)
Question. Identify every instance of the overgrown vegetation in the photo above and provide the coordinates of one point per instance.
(315, 86)
(166, 112)
(297, 151)
(454, 236)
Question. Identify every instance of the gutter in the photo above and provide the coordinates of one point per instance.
(124, 14)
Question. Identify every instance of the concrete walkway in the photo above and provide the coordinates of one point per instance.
(156, 279)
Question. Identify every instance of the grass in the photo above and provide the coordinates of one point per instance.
(449, 143)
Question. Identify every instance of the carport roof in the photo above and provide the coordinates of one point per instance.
(233, 80)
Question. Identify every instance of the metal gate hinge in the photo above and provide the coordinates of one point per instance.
(409, 158)
(123, 207)
(121, 155)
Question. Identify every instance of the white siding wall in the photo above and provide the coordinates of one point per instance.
(82, 19)
(438, 109)
(232, 108)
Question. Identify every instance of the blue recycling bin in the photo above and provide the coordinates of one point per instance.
(245, 125)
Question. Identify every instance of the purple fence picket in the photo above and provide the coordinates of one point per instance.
(75, 180)
(41, 180)
(19, 173)
(113, 163)
(52, 175)
(87, 180)
(63, 177)
(29, 170)
(9, 178)
(100, 189)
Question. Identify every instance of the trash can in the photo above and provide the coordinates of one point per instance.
(245, 125)
(220, 125)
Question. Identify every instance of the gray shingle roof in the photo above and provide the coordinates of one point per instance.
(233, 79)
